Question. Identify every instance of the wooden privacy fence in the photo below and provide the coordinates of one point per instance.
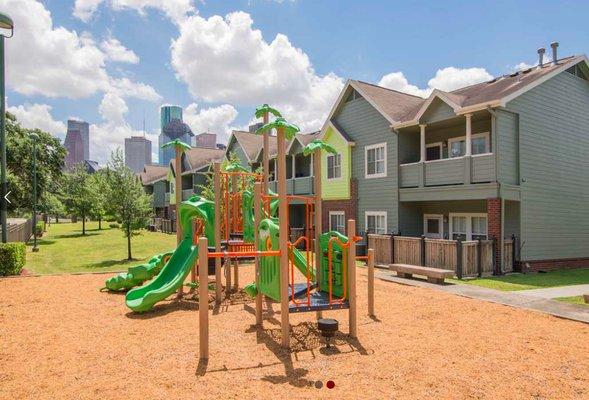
(20, 231)
(475, 256)
(168, 226)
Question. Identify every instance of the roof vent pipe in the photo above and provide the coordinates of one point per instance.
(541, 52)
(554, 46)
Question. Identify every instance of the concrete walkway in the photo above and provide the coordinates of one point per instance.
(562, 291)
(515, 299)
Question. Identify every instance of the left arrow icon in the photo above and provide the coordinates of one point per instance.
(6, 197)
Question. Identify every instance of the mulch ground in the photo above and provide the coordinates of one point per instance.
(62, 338)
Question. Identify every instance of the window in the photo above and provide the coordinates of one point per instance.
(334, 166)
(376, 222)
(337, 221)
(479, 145)
(433, 226)
(468, 226)
(353, 96)
(433, 151)
(375, 160)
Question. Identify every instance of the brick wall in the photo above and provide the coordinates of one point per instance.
(494, 225)
(347, 206)
(549, 265)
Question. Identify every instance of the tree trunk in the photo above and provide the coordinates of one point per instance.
(128, 243)
(83, 224)
(99, 223)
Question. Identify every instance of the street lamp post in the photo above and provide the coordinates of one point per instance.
(35, 137)
(5, 23)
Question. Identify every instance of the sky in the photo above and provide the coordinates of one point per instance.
(113, 63)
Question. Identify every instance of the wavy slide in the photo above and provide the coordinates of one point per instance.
(174, 273)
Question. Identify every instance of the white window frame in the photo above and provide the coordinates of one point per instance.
(468, 223)
(439, 217)
(473, 136)
(371, 147)
(338, 213)
(436, 144)
(375, 214)
(327, 167)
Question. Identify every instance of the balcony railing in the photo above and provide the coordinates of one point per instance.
(301, 186)
(449, 171)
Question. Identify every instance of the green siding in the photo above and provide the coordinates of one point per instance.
(438, 110)
(336, 189)
(367, 126)
(554, 143)
(507, 147)
(234, 147)
(159, 194)
(512, 219)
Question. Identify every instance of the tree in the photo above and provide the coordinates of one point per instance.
(79, 195)
(19, 160)
(53, 205)
(99, 185)
(127, 201)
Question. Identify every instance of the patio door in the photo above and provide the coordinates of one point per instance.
(433, 226)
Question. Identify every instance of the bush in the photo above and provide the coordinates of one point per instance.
(113, 225)
(39, 228)
(109, 218)
(12, 258)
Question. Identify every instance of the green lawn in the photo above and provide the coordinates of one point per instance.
(573, 300)
(63, 249)
(563, 277)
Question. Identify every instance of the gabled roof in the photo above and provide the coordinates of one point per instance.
(152, 173)
(249, 142)
(402, 109)
(200, 157)
(494, 93)
(338, 129)
(302, 138)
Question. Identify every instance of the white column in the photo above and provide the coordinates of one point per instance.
(422, 142)
(468, 144)
(293, 159)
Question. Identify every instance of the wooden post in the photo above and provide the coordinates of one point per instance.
(257, 220)
(217, 187)
(422, 250)
(494, 249)
(265, 158)
(370, 282)
(283, 236)
(195, 266)
(392, 248)
(228, 287)
(513, 253)
(479, 257)
(203, 297)
(178, 195)
(459, 258)
(351, 231)
(318, 219)
(236, 274)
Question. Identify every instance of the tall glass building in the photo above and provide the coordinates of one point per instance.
(172, 127)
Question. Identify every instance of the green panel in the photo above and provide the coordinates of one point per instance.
(554, 143)
(338, 254)
(336, 189)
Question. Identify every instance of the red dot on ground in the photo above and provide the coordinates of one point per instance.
(330, 384)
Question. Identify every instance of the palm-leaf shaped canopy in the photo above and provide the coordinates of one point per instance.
(317, 144)
(265, 108)
(177, 143)
(235, 167)
(290, 130)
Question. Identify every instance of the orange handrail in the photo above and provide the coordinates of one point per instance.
(291, 259)
(238, 254)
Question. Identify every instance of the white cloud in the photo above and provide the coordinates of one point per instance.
(227, 60)
(47, 60)
(446, 79)
(214, 119)
(176, 10)
(38, 116)
(115, 51)
(397, 81)
(59, 62)
(124, 87)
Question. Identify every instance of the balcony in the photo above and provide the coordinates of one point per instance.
(298, 186)
(479, 168)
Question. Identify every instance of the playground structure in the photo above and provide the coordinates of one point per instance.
(246, 221)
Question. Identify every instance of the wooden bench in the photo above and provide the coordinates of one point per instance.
(434, 275)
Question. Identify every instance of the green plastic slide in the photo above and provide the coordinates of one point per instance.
(137, 274)
(174, 273)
